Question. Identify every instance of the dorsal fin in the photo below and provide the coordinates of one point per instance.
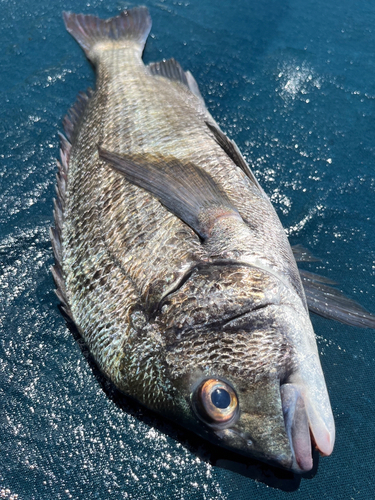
(72, 118)
(171, 69)
(193, 86)
(231, 149)
(185, 189)
(56, 232)
(70, 123)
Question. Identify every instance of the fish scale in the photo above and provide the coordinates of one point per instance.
(144, 126)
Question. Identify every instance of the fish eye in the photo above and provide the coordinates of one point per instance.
(215, 402)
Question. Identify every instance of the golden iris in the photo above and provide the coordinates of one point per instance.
(215, 401)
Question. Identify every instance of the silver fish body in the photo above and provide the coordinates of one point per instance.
(173, 264)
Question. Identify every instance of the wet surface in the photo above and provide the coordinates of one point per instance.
(293, 83)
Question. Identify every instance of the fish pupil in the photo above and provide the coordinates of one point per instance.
(220, 398)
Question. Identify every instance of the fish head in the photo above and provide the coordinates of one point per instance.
(256, 387)
(266, 419)
(245, 418)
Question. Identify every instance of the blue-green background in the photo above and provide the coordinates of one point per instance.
(293, 82)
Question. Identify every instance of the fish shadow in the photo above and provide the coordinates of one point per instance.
(216, 456)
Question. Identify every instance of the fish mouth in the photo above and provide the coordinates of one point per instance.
(304, 428)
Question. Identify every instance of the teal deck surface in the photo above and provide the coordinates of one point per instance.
(293, 83)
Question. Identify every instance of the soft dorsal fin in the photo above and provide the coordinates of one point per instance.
(72, 118)
(185, 189)
(171, 69)
(231, 149)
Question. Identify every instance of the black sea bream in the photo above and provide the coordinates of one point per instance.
(174, 266)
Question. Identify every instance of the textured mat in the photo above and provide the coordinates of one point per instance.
(293, 83)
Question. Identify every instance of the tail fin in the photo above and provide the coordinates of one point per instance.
(130, 26)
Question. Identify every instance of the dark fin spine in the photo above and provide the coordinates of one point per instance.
(67, 314)
(65, 148)
(58, 215)
(185, 189)
(61, 291)
(60, 186)
(131, 25)
(61, 178)
(56, 245)
(317, 278)
(231, 149)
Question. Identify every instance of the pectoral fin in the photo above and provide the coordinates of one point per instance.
(185, 189)
(330, 303)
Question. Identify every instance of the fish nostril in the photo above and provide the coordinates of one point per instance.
(247, 439)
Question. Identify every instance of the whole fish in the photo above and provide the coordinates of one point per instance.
(174, 266)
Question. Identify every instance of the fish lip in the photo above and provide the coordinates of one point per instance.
(297, 427)
(307, 413)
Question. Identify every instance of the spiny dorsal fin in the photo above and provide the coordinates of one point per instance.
(185, 189)
(171, 69)
(131, 25)
(231, 149)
